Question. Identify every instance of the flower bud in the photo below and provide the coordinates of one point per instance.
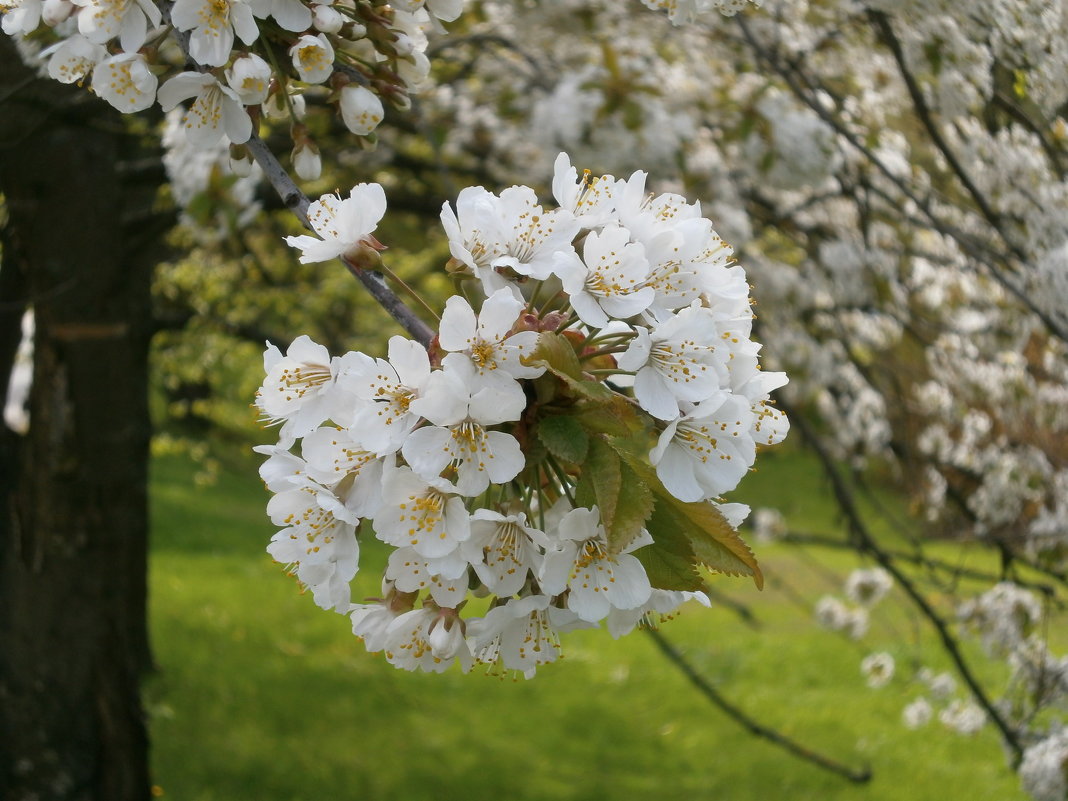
(327, 19)
(306, 161)
(361, 109)
(54, 12)
(240, 161)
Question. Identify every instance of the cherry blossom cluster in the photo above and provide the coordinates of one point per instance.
(252, 59)
(553, 445)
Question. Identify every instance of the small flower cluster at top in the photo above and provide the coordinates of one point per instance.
(559, 449)
(364, 51)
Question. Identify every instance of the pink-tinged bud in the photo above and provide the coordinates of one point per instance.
(527, 322)
(552, 321)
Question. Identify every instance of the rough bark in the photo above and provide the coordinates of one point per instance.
(73, 519)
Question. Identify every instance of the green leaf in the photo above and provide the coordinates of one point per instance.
(716, 544)
(600, 480)
(669, 562)
(565, 438)
(633, 508)
(613, 414)
(712, 540)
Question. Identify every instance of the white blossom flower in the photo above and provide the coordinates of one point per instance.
(487, 341)
(73, 59)
(336, 459)
(126, 82)
(424, 516)
(706, 453)
(1004, 615)
(768, 524)
(426, 639)
(491, 234)
(503, 550)
(250, 77)
(283, 469)
(100, 21)
(588, 198)
(458, 438)
(386, 389)
(342, 225)
(297, 388)
(361, 109)
(522, 634)
(609, 280)
(646, 215)
(662, 605)
(856, 622)
(679, 360)
(941, 685)
(313, 58)
(878, 668)
(599, 577)
(291, 15)
(213, 24)
(20, 16)
(320, 539)
(690, 260)
(370, 623)
(445, 577)
(216, 112)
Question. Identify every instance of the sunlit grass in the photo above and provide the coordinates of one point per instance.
(262, 696)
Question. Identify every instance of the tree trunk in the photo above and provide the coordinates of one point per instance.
(73, 520)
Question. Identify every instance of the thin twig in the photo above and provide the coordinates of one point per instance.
(857, 776)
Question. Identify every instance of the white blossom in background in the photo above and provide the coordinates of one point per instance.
(917, 714)
(868, 587)
(964, 717)
(878, 669)
(1044, 770)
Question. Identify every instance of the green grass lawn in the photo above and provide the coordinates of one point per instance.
(262, 696)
